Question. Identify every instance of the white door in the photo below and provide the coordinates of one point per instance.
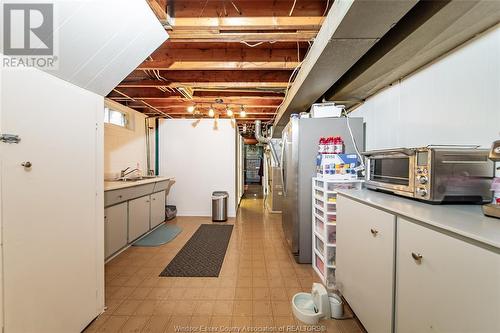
(52, 212)
(138, 217)
(115, 228)
(454, 287)
(365, 262)
(157, 208)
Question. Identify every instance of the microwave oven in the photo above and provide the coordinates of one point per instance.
(435, 174)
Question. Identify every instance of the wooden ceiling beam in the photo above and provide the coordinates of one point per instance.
(159, 9)
(244, 54)
(248, 23)
(233, 98)
(239, 94)
(214, 76)
(255, 109)
(237, 37)
(248, 8)
(201, 85)
(218, 65)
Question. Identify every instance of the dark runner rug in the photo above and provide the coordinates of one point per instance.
(203, 254)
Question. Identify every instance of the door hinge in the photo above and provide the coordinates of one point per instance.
(10, 138)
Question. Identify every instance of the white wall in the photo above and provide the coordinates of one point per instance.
(455, 100)
(124, 147)
(202, 160)
(240, 166)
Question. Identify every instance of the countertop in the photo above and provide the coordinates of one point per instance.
(464, 220)
(115, 185)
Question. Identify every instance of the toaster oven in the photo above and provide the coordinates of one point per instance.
(435, 174)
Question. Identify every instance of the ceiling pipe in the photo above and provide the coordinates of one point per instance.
(258, 133)
(266, 140)
(170, 11)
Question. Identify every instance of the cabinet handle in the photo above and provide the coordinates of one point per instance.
(120, 196)
(374, 232)
(417, 257)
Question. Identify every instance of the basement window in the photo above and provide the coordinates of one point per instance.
(116, 117)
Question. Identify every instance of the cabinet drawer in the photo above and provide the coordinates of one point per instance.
(454, 287)
(365, 262)
(121, 195)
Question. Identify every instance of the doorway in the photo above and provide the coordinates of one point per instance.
(254, 170)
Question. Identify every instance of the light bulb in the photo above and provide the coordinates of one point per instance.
(211, 112)
(229, 112)
(243, 113)
(190, 109)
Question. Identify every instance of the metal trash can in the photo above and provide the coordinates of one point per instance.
(219, 206)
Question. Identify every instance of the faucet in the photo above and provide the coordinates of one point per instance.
(124, 172)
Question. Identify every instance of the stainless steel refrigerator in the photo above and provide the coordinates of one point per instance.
(300, 147)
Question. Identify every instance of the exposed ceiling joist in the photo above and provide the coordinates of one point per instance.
(218, 65)
(242, 84)
(243, 54)
(248, 23)
(215, 76)
(159, 10)
(197, 36)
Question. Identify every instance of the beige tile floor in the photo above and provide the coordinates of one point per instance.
(254, 289)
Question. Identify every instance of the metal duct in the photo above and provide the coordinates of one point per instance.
(266, 140)
(258, 133)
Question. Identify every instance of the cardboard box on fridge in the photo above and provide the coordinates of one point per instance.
(337, 166)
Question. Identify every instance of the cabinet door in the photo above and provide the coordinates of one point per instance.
(138, 217)
(365, 262)
(157, 208)
(115, 228)
(455, 287)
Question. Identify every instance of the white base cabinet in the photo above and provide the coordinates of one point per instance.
(454, 287)
(127, 221)
(157, 208)
(115, 228)
(403, 276)
(138, 217)
(365, 262)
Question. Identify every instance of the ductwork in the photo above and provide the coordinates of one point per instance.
(266, 140)
(258, 134)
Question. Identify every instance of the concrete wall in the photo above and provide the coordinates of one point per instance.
(202, 160)
(455, 100)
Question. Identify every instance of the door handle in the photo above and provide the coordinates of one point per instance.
(26, 164)
(417, 257)
(374, 232)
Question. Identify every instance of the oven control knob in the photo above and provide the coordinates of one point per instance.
(423, 180)
(422, 191)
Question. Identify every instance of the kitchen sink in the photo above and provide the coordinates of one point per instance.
(132, 179)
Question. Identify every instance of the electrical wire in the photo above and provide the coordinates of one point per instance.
(353, 140)
(326, 8)
(293, 7)
(286, 91)
(294, 72)
(257, 44)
